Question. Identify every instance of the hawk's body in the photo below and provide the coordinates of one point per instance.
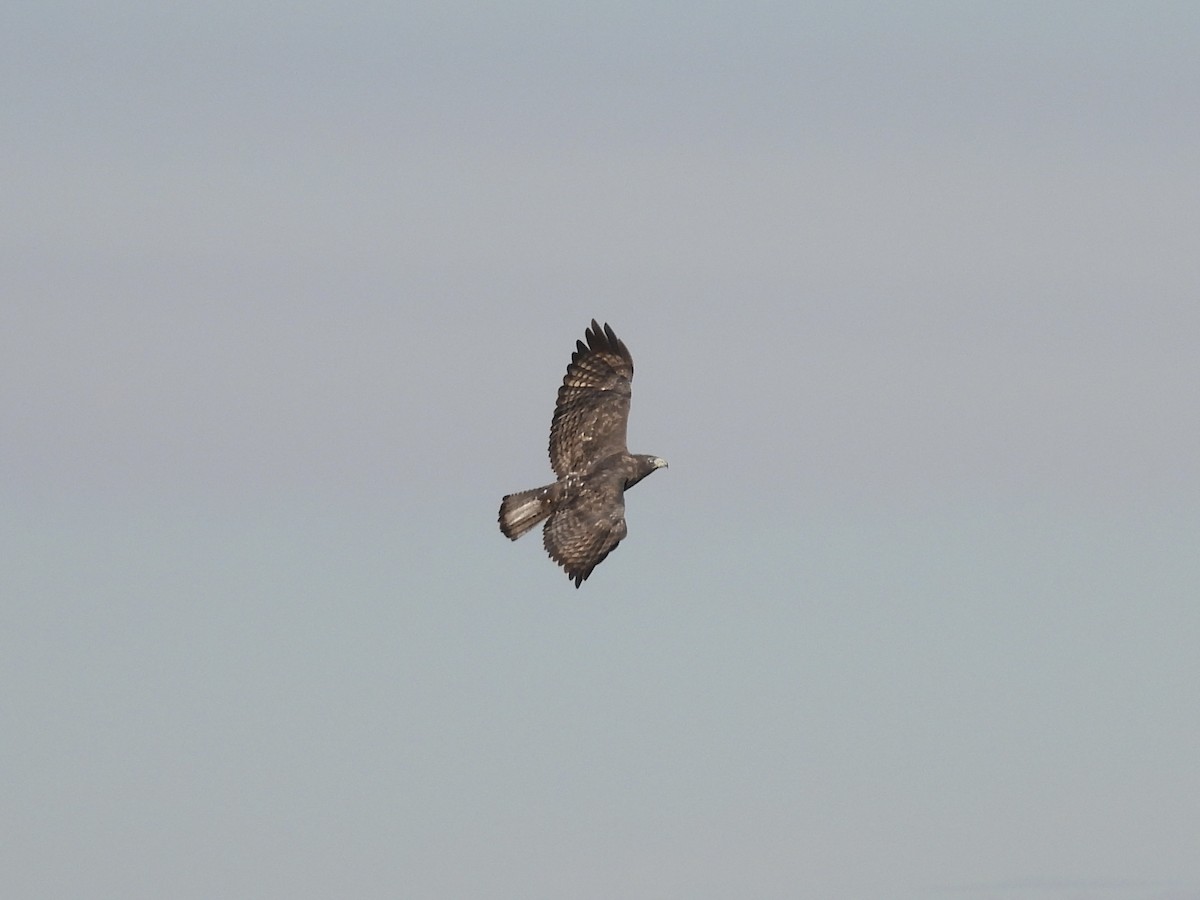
(585, 509)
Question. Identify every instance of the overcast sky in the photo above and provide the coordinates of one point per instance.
(913, 292)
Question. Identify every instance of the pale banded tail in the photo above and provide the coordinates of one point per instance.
(521, 512)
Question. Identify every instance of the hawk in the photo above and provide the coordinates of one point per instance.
(584, 509)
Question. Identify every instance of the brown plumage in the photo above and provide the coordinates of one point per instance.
(584, 509)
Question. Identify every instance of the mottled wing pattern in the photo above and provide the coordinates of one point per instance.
(593, 403)
(583, 532)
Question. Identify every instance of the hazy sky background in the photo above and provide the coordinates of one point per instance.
(914, 296)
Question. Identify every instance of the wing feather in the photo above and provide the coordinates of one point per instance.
(579, 535)
(592, 411)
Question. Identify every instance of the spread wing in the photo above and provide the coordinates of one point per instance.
(579, 535)
(593, 403)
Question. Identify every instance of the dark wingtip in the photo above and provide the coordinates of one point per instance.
(595, 335)
(602, 337)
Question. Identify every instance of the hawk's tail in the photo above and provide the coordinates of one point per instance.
(520, 512)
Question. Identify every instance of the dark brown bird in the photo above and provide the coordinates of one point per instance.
(585, 508)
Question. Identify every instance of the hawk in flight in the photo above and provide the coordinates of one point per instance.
(584, 509)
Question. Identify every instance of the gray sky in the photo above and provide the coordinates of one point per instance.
(912, 293)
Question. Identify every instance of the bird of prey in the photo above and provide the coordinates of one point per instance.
(584, 509)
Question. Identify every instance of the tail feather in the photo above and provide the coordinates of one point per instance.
(521, 512)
